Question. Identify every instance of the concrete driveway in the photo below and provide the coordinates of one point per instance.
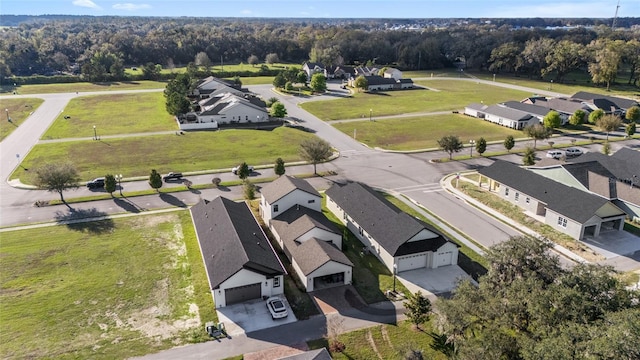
(251, 316)
(621, 249)
(432, 282)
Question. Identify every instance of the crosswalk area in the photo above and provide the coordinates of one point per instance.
(348, 153)
(425, 188)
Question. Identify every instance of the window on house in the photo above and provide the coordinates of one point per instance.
(311, 201)
(562, 221)
(276, 282)
(527, 200)
(275, 208)
(344, 216)
(360, 230)
(246, 117)
(517, 196)
(506, 191)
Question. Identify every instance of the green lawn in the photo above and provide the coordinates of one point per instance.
(451, 95)
(87, 86)
(217, 67)
(384, 342)
(423, 132)
(18, 111)
(112, 114)
(102, 290)
(256, 80)
(136, 156)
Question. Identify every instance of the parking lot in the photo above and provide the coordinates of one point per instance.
(251, 316)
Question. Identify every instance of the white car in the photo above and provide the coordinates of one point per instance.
(573, 151)
(277, 308)
(235, 169)
(555, 154)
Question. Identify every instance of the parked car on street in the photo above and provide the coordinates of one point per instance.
(277, 308)
(236, 168)
(555, 154)
(573, 151)
(96, 183)
(172, 176)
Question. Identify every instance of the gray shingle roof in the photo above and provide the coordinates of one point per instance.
(387, 224)
(284, 185)
(298, 220)
(231, 239)
(476, 106)
(528, 108)
(623, 164)
(313, 253)
(618, 101)
(320, 354)
(379, 80)
(565, 200)
(566, 106)
(508, 113)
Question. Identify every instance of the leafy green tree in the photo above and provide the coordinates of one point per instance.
(536, 132)
(288, 86)
(509, 142)
(202, 59)
(216, 181)
(279, 81)
(609, 123)
(315, 150)
(57, 177)
(301, 78)
(361, 83)
(418, 308)
(564, 57)
(606, 60)
(151, 71)
(248, 189)
(278, 110)
(177, 104)
(606, 148)
(271, 101)
(633, 114)
(318, 83)
(450, 144)
(279, 168)
(243, 171)
(237, 81)
(552, 120)
(110, 183)
(155, 180)
(595, 116)
(271, 58)
(253, 60)
(481, 145)
(630, 129)
(577, 118)
(529, 156)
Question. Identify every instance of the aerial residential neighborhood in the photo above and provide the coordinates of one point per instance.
(179, 184)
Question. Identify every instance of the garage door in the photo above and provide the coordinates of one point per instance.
(242, 293)
(412, 262)
(445, 258)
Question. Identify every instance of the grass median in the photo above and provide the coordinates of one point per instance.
(193, 151)
(103, 290)
(17, 110)
(89, 86)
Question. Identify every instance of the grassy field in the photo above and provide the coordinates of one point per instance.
(256, 80)
(112, 114)
(423, 132)
(218, 67)
(102, 290)
(384, 342)
(87, 86)
(19, 110)
(448, 95)
(136, 156)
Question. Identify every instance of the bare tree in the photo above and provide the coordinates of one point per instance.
(57, 177)
(315, 150)
(609, 123)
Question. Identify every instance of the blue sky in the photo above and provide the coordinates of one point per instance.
(327, 8)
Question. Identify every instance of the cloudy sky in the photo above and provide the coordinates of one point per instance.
(328, 8)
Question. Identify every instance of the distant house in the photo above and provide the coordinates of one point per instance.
(291, 208)
(339, 72)
(212, 86)
(609, 104)
(224, 109)
(537, 111)
(313, 68)
(400, 241)
(511, 118)
(366, 71)
(475, 110)
(241, 264)
(565, 208)
(379, 83)
(392, 73)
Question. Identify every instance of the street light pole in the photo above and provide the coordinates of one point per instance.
(370, 112)
(95, 134)
(471, 144)
(8, 118)
(119, 178)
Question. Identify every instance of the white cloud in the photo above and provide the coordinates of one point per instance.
(86, 3)
(131, 7)
(246, 12)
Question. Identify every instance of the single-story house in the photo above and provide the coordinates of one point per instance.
(366, 71)
(565, 208)
(392, 73)
(475, 110)
(538, 111)
(400, 241)
(222, 109)
(212, 86)
(312, 68)
(609, 104)
(567, 107)
(379, 83)
(291, 208)
(339, 72)
(240, 262)
(511, 118)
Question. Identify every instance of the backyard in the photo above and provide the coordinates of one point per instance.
(103, 290)
(17, 110)
(423, 132)
(112, 114)
(193, 151)
(443, 95)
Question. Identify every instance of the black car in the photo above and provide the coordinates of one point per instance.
(172, 176)
(96, 183)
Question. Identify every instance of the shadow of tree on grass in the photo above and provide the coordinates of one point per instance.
(81, 220)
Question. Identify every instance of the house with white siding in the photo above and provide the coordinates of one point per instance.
(240, 262)
(224, 109)
(399, 240)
